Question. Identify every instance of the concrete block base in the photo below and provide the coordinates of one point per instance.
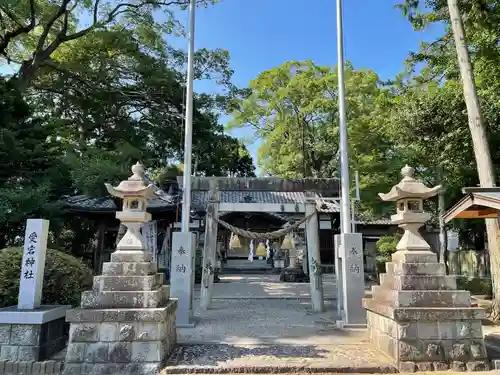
(126, 324)
(33, 335)
(418, 318)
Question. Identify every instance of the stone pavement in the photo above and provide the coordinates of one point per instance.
(267, 287)
(257, 324)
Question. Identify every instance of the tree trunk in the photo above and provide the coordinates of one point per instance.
(480, 143)
(27, 73)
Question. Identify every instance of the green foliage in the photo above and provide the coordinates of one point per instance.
(476, 286)
(30, 165)
(65, 278)
(36, 29)
(293, 108)
(91, 98)
(385, 246)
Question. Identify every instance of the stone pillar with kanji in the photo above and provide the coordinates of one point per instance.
(416, 315)
(126, 323)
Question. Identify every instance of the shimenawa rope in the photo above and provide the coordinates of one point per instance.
(261, 236)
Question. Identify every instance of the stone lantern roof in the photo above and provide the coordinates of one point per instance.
(409, 187)
(133, 186)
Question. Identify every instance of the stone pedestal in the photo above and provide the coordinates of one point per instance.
(126, 324)
(33, 335)
(294, 275)
(419, 318)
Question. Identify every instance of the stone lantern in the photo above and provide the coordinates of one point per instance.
(126, 323)
(416, 315)
(135, 197)
(409, 196)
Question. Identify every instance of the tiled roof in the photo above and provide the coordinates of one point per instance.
(278, 197)
(200, 198)
(82, 202)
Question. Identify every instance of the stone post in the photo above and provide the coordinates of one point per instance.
(126, 323)
(31, 331)
(417, 316)
(312, 233)
(210, 246)
(33, 264)
(337, 239)
(182, 276)
(352, 280)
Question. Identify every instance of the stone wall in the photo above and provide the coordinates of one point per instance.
(126, 323)
(143, 338)
(32, 342)
(30, 367)
(429, 345)
(418, 318)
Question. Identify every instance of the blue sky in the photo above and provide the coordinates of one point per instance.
(261, 34)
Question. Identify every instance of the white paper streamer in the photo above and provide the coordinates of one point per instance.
(268, 250)
(250, 255)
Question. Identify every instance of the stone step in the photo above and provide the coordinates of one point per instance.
(128, 269)
(414, 257)
(130, 256)
(127, 283)
(122, 299)
(418, 282)
(429, 269)
(421, 298)
(79, 315)
(431, 314)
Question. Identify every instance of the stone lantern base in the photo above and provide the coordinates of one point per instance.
(419, 318)
(126, 324)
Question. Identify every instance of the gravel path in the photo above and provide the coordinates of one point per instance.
(257, 324)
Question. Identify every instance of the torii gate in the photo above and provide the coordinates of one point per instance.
(308, 208)
(348, 257)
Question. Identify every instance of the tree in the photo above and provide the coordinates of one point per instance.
(130, 101)
(478, 131)
(293, 108)
(30, 167)
(36, 29)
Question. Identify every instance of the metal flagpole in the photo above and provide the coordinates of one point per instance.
(188, 132)
(344, 159)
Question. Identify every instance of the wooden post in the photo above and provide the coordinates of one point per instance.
(210, 246)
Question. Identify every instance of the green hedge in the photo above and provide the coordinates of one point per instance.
(476, 286)
(64, 279)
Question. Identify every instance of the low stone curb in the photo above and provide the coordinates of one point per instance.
(278, 369)
(30, 367)
(268, 297)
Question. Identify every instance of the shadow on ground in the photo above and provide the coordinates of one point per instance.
(214, 355)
